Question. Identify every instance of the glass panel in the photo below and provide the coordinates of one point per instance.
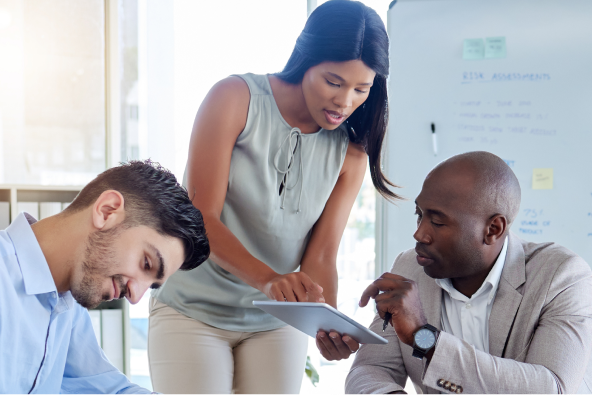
(355, 267)
(128, 55)
(52, 95)
(139, 369)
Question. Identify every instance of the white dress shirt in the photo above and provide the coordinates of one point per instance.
(468, 318)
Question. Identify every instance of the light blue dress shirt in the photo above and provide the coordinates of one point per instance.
(47, 343)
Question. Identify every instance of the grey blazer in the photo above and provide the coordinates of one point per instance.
(540, 332)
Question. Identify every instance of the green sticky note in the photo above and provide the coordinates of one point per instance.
(495, 47)
(473, 48)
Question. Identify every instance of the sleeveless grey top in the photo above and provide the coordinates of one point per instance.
(278, 185)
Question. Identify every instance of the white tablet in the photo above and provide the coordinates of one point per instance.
(313, 317)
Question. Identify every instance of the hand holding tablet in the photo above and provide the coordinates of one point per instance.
(311, 318)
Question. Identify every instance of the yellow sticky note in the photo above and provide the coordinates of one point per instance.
(542, 179)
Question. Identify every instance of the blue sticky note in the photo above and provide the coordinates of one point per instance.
(473, 48)
(495, 47)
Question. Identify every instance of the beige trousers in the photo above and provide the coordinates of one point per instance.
(188, 356)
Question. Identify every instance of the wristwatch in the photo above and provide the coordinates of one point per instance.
(424, 340)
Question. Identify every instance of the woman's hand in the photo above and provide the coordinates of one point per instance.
(293, 287)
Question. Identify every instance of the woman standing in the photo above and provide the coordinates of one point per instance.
(275, 165)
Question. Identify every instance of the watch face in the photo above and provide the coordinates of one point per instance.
(425, 338)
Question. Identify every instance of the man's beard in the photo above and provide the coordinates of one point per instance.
(99, 259)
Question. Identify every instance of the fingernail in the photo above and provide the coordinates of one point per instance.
(333, 336)
(345, 338)
(321, 335)
(322, 300)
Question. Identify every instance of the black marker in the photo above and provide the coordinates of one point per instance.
(387, 318)
(434, 140)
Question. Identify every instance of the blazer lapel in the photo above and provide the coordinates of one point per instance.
(431, 299)
(507, 299)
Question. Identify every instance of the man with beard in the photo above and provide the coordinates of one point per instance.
(128, 230)
(473, 308)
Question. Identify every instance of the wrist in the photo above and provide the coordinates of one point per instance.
(264, 278)
(424, 341)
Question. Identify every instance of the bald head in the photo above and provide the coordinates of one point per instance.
(485, 184)
(464, 211)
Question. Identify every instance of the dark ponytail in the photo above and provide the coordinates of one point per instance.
(339, 31)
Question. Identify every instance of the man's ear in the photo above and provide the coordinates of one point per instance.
(496, 228)
(108, 210)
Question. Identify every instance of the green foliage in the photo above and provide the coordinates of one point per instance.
(311, 372)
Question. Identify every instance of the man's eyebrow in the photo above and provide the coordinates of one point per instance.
(161, 265)
(432, 211)
(437, 212)
(342, 80)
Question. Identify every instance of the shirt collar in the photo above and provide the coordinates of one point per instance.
(34, 267)
(491, 281)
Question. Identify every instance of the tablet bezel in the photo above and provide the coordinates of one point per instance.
(278, 310)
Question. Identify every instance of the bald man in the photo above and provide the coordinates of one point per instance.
(474, 308)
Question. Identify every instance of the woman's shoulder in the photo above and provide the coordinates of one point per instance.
(231, 88)
(355, 159)
(225, 108)
(239, 88)
(258, 84)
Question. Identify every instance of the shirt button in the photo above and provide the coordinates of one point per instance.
(441, 382)
(459, 389)
(468, 306)
(447, 385)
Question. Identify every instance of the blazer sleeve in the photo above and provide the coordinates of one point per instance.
(555, 360)
(378, 368)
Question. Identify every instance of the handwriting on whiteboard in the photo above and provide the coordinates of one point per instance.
(497, 121)
(469, 77)
(533, 222)
(590, 217)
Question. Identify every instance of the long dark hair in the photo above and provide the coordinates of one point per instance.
(342, 30)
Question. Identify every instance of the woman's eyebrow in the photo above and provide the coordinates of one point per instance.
(342, 80)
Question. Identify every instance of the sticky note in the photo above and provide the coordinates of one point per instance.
(495, 47)
(473, 48)
(542, 179)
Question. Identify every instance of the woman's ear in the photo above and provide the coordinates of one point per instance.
(496, 229)
(108, 210)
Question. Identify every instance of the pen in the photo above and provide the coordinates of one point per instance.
(434, 140)
(387, 318)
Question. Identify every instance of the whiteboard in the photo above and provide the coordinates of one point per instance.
(532, 108)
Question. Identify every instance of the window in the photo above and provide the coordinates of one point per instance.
(52, 96)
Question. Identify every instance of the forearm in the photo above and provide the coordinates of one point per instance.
(324, 274)
(371, 380)
(378, 368)
(227, 251)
